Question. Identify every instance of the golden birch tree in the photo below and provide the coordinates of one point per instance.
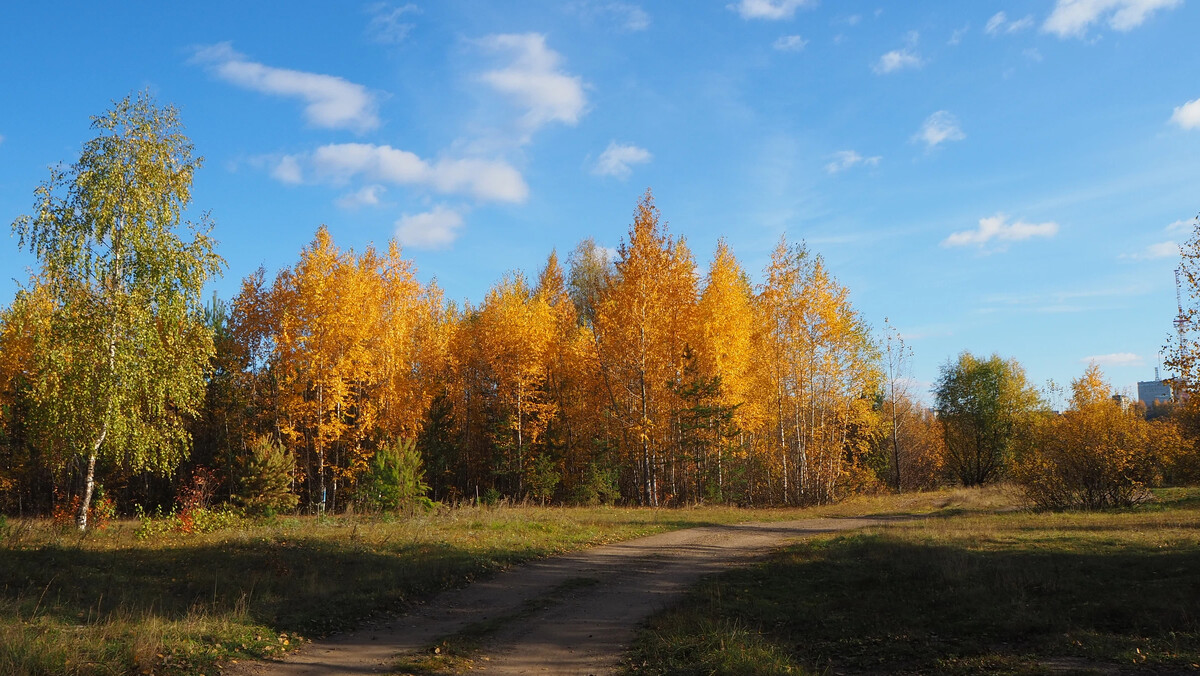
(643, 322)
(822, 369)
(515, 329)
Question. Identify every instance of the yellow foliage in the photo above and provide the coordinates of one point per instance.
(1097, 454)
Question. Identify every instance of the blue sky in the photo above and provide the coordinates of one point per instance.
(996, 177)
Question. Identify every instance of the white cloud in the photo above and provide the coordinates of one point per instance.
(1182, 225)
(1071, 18)
(1166, 249)
(367, 196)
(387, 25)
(899, 59)
(616, 158)
(486, 180)
(996, 228)
(1115, 359)
(1033, 54)
(1, 138)
(958, 34)
(433, 229)
(790, 43)
(1187, 116)
(287, 170)
(331, 101)
(847, 159)
(771, 10)
(534, 81)
(999, 23)
(940, 128)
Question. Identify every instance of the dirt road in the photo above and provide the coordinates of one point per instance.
(571, 614)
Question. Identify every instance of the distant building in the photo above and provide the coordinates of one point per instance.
(1122, 401)
(1151, 391)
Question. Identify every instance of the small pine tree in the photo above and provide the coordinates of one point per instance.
(266, 483)
(396, 478)
(542, 478)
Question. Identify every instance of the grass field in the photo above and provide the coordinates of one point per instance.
(111, 603)
(1014, 592)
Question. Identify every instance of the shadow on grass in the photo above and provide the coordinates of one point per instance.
(312, 587)
(878, 603)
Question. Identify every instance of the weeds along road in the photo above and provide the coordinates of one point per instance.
(570, 614)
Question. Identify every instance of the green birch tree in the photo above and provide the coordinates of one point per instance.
(120, 356)
(982, 405)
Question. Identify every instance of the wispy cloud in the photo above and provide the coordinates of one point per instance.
(1115, 359)
(929, 331)
(900, 59)
(999, 23)
(848, 159)
(388, 25)
(627, 16)
(790, 43)
(1187, 116)
(1166, 249)
(617, 158)
(1182, 225)
(939, 128)
(534, 81)
(1058, 302)
(367, 196)
(485, 180)
(771, 10)
(958, 34)
(1071, 18)
(998, 229)
(330, 101)
(434, 229)
(288, 170)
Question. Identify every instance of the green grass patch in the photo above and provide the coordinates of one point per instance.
(111, 602)
(1014, 592)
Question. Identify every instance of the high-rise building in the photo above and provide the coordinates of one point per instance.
(1151, 391)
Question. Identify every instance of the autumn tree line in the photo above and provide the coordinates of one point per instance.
(342, 382)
